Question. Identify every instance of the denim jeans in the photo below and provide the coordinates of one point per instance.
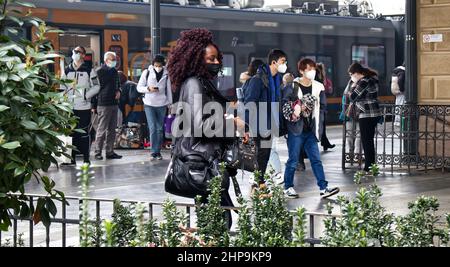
(155, 120)
(309, 142)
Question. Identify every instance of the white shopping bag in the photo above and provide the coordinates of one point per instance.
(67, 142)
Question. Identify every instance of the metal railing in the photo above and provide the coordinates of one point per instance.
(69, 218)
(416, 142)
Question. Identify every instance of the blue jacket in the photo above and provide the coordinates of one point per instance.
(257, 91)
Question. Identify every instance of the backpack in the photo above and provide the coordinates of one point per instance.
(398, 81)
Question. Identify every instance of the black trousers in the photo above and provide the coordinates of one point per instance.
(367, 127)
(263, 156)
(82, 140)
(324, 139)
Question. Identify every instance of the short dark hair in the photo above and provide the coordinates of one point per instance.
(275, 55)
(159, 59)
(303, 64)
(82, 49)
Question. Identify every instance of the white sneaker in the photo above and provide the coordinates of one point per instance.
(291, 193)
(279, 179)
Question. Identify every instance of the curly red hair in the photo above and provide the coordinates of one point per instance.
(188, 58)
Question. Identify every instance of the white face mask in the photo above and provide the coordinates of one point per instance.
(282, 68)
(311, 75)
(76, 57)
(158, 69)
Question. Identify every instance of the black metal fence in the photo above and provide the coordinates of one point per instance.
(410, 137)
(64, 228)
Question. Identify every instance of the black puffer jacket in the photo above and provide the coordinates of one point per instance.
(109, 86)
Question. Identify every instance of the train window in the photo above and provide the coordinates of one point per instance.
(326, 60)
(227, 79)
(373, 56)
(138, 62)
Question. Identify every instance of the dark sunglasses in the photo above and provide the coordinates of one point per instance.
(78, 52)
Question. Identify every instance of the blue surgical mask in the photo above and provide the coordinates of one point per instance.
(112, 64)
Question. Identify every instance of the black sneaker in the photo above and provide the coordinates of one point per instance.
(113, 156)
(98, 157)
(154, 156)
(159, 156)
(72, 163)
(329, 192)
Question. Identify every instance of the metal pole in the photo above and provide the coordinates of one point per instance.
(411, 92)
(411, 52)
(155, 17)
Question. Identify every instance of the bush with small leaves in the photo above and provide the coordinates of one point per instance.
(419, 227)
(211, 222)
(170, 228)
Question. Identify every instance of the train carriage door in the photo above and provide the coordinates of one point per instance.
(117, 41)
(90, 40)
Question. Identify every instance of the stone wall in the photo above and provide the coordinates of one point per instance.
(434, 58)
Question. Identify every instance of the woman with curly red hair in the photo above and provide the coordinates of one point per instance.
(201, 136)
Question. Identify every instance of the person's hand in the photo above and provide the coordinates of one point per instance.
(240, 124)
(118, 95)
(246, 138)
(304, 108)
(297, 110)
(153, 89)
(94, 111)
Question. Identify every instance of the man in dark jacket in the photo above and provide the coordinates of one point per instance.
(264, 89)
(107, 107)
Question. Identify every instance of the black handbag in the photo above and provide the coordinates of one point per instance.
(189, 176)
(242, 155)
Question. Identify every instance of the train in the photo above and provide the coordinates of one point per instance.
(242, 35)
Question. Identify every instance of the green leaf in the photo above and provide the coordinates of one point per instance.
(11, 166)
(40, 142)
(51, 207)
(13, 31)
(14, 77)
(11, 145)
(20, 99)
(51, 55)
(19, 171)
(29, 125)
(45, 217)
(3, 108)
(43, 63)
(25, 4)
(16, 20)
(3, 77)
(28, 85)
(25, 211)
(15, 158)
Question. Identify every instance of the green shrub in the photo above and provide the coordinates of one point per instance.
(268, 222)
(32, 116)
(211, 223)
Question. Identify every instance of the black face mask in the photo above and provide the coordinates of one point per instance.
(213, 69)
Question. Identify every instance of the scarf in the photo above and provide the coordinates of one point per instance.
(275, 95)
